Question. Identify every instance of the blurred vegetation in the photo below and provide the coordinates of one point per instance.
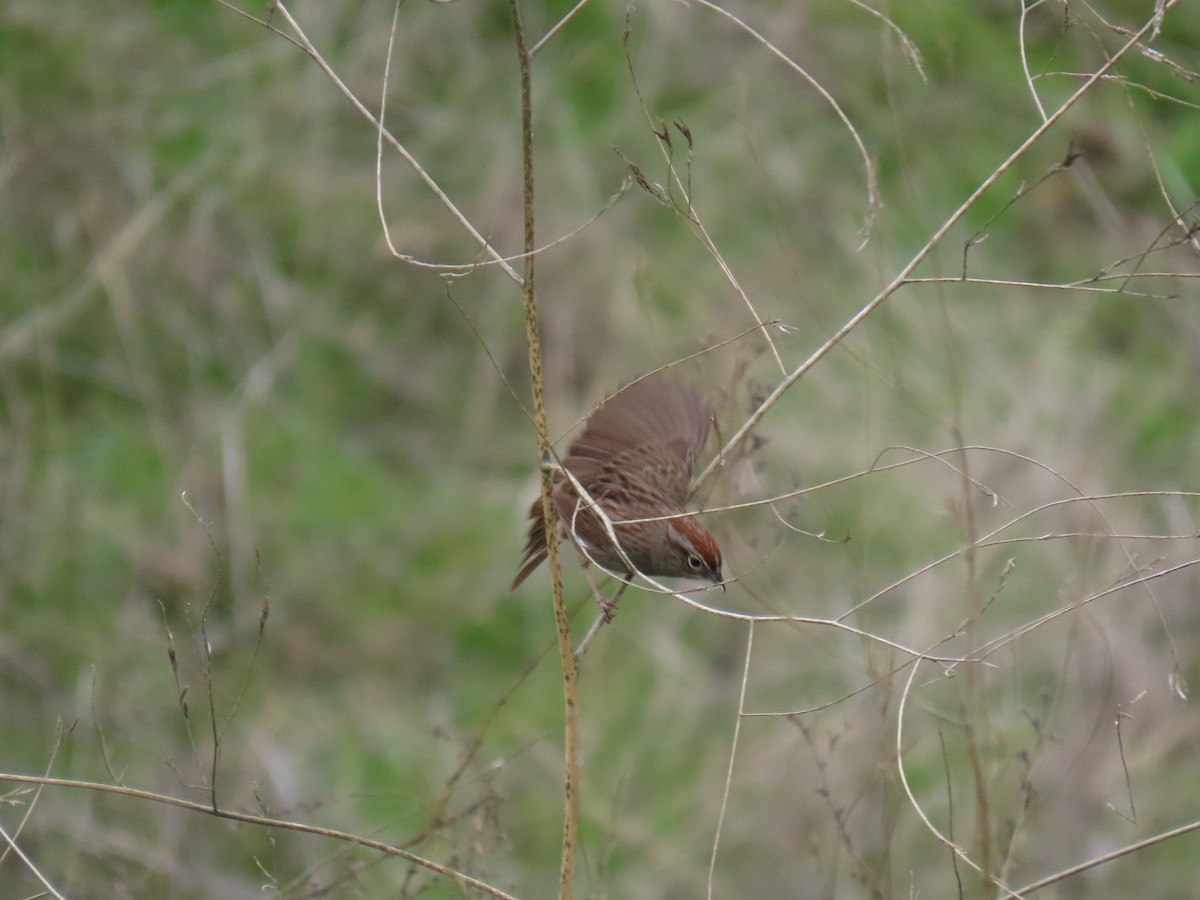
(222, 395)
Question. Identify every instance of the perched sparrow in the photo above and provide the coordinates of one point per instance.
(635, 460)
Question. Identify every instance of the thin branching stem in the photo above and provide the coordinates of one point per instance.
(901, 277)
(264, 821)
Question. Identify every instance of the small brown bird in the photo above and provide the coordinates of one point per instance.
(635, 460)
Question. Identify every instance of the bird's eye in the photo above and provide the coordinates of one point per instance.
(695, 562)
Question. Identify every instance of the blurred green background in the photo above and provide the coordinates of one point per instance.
(220, 392)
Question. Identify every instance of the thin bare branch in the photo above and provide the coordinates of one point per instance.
(733, 746)
(935, 239)
(1026, 8)
(954, 847)
(1105, 858)
(873, 201)
(416, 166)
(556, 28)
(265, 821)
(12, 845)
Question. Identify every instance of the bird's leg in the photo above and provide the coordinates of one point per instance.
(607, 606)
(605, 616)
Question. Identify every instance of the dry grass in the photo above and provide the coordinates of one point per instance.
(952, 487)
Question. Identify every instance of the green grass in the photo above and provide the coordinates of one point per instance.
(198, 305)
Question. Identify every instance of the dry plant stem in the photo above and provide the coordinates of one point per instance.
(1132, 85)
(737, 731)
(598, 511)
(29, 864)
(910, 49)
(883, 679)
(60, 735)
(399, 148)
(901, 277)
(711, 246)
(974, 718)
(606, 521)
(923, 455)
(98, 727)
(1178, 684)
(656, 586)
(587, 502)
(950, 810)
(868, 166)
(204, 652)
(990, 539)
(438, 818)
(533, 51)
(459, 268)
(11, 839)
(1028, 889)
(1177, 220)
(264, 821)
(985, 650)
(1132, 818)
(1087, 285)
(1026, 8)
(561, 620)
(1103, 858)
(954, 847)
(691, 216)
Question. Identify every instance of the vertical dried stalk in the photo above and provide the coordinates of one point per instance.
(563, 627)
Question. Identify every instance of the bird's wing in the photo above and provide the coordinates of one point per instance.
(652, 430)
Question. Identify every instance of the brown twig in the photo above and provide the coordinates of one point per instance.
(561, 619)
(265, 821)
(901, 277)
